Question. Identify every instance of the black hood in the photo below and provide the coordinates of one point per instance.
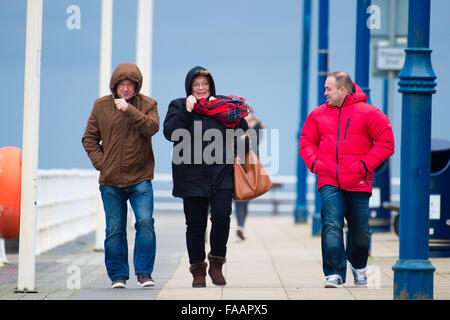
(190, 77)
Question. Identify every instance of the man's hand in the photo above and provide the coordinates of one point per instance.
(121, 104)
(190, 102)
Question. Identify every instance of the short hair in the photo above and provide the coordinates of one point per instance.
(204, 73)
(343, 79)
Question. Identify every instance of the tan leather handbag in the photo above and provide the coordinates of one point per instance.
(251, 182)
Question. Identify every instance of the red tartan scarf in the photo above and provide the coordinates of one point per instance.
(228, 110)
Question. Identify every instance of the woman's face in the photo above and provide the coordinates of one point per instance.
(200, 87)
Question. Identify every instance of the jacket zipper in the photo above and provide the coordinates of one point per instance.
(123, 138)
(348, 122)
(337, 149)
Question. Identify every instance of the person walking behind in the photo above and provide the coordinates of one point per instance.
(204, 181)
(343, 141)
(242, 206)
(118, 141)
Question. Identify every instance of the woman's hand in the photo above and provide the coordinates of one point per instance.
(190, 102)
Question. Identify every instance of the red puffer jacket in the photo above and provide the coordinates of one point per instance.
(344, 145)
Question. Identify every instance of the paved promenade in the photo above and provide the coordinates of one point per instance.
(279, 260)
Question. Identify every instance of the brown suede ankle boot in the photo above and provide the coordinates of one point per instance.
(215, 270)
(198, 271)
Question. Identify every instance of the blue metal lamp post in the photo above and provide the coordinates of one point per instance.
(379, 217)
(362, 49)
(322, 76)
(413, 272)
(362, 56)
(301, 213)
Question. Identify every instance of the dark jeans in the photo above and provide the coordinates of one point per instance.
(196, 214)
(116, 248)
(338, 204)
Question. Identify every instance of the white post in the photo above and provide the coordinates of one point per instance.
(106, 46)
(3, 258)
(105, 76)
(28, 205)
(144, 40)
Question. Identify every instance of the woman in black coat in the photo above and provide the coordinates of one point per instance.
(202, 168)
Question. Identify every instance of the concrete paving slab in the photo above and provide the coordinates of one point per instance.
(279, 260)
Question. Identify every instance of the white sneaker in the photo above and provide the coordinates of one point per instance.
(333, 281)
(359, 276)
(119, 283)
(145, 280)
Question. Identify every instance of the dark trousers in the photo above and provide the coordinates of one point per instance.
(196, 214)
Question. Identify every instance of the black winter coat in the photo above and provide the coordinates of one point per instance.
(198, 178)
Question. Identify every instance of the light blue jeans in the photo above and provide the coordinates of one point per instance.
(116, 248)
(241, 212)
(338, 204)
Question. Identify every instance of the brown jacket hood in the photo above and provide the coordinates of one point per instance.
(126, 71)
(119, 143)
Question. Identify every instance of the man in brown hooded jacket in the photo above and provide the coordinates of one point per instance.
(118, 140)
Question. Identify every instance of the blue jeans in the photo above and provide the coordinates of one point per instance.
(338, 204)
(241, 212)
(116, 248)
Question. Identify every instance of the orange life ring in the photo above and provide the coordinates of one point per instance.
(10, 183)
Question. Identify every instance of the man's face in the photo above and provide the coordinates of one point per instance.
(126, 89)
(334, 95)
(200, 87)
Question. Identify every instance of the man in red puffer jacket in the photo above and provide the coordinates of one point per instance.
(343, 141)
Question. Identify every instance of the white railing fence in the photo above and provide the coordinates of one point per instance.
(66, 206)
(69, 205)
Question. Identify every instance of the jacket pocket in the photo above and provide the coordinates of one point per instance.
(352, 175)
(321, 169)
(313, 165)
(100, 163)
(366, 171)
(346, 128)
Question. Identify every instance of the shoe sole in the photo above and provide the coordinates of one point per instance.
(147, 284)
(332, 285)
(361, 285)
(118, 286)
(220, 284)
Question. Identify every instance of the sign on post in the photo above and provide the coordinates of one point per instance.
(390, 58)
